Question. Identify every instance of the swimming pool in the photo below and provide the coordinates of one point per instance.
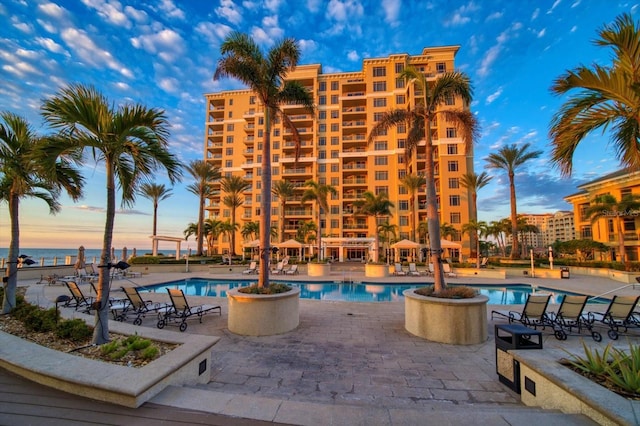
(515, 294)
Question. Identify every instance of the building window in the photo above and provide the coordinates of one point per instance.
(252, 100)
(229, 139)
(451, 132)
(403, 205)
(322, 86)
(452, 149)
(335, 209)
(454, 200)
(399, 67)
(322, 168)
(322, 141)
(230, 115)
(402, 173)
(379, 71)
(401, 99)
(449, 99)
(230, 127)
(400, 158)
(452, 166)
(454, 218)
(381, 190)
(322, 154)
(322, 127)
(275, 171)
(379, 86)
(230, 102)
(228, 163)
(334, 113)
(380, 146)
(402, 190)
(322, 115)
(334, 99)
(229, 152)
(276, 145)
(335, 181)
(335, 168)
(402, 143)
(276, 132)
(380, 102)
(454, 183)
(322, 100)
(335, 153)
(381, 160)
(377, 116)
(335, 127)
(400, 83)
(441, 67)
(335, 85)
(276, 158)
(382, 175)
(404, 220)
(335, 141)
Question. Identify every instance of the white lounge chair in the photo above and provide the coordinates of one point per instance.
(279, 268)
(253, 268)
(292, 270)
(413, 270)
(398, 270)
(446, 268)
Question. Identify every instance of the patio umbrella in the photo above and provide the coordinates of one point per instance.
(124, 253)
(134, 253)
(113, 254)
(80, 261)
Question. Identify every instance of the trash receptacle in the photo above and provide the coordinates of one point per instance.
(564, 272)
(513, 336)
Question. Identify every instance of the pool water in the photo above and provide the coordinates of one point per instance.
(515, 294)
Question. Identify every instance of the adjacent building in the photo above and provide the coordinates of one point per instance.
(334, 150)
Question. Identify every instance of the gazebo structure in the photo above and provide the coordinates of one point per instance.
(291, 245)
(156, 238)
(406, 248)
(251, 245)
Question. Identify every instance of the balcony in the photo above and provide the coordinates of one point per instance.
(298, 171)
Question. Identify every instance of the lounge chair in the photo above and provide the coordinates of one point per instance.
(279, 268)
(484, 262)
(570, 316)
(117, 305)
(85, 275)
(253, 268)
(413, 270)
(398, 270)
(534, 314)
(180, 311)
(619, 316)
(78, 300)
(293, 270)
(446, 268)
(138, 306)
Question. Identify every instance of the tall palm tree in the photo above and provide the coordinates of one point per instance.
(374, 206)
(204, 174)
(413, 183)
(23, 175)
(387, 230)
(233, 186)
(497, 230)
(212, 230)
(266, 77)
(131, 141)
(603, 98)
(229, 229)
(284, 190)
(473, 183)
(250, 230)
(156, 193)
(607, 206)
(319, 193)
(475, 229)
(430, 95)
(510, 158)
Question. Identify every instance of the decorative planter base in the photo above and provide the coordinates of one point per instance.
(452, 321)
(318, 269)
(263, 314)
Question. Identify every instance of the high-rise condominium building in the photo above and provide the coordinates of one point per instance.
(551, 227)
(334, 150)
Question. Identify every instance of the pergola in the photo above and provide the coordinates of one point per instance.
(156, 238)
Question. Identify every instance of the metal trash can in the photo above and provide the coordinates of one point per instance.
(564, 272)
(513, 336)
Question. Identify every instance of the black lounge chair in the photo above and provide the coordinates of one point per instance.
(570, 317)
(619, 316)
(78, 300)
(139, 307)
(180, 311)
(534, 314)
(116, 305)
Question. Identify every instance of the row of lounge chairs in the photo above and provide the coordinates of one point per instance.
(177, 312)
(280, 269)
(414, 271)
(619, 317)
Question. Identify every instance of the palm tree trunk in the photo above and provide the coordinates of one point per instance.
(319, 232)
(265, 202)
(101, 328)
(200, 237)
(412, 217)
(622, 249)
(474, 237)
(232, 252)
(514, 218)
(9, 301)
(283, 206)
(155, 217)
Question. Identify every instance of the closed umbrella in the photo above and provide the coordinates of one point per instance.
(134, 253)
(113, 254)
(80, 261)
(124, 253)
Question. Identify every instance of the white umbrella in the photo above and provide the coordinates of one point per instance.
(80, 262)
(124, 253)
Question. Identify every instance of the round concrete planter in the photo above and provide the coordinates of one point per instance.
(318, 269)
(373, 270)
(452, 321)
(263, 314)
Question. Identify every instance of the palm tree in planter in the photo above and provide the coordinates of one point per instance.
(387, 230)
(607, 206)
(156, 193)
(510, 158)
(413, 183)
(233, 186)
(319, 193)
(284, 190)
(131, 141)
(475, 230)
(375, 206)
(204, 175)
(430, 95)
(23, 175)
(473, 183)
(266, 76)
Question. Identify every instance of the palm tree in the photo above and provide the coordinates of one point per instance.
(156, 193)
(212, 230)
(374, 206)
(266, 77)
(447, 230)
(473, 183)
(204, 174)
(132, 142)
(475, 229)
(307, 232)
(284, 190)
(430, 95)
(607, 206)
(509, 158)
(23, 175)
(604, 97)
(387, 230)
(229, 229)
(250, 230)
(233, 186)
(319, 193)
(413, 183)
(497, 229)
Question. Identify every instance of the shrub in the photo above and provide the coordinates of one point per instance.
(273, 288)
(42, 321)
(448, 293)
(75, 329)
(151, 352)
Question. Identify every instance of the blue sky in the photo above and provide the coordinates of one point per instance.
(162, 53)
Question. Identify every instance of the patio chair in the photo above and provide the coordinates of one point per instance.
(279, 269)
(117, 305)
(293, 270)
(138, 306)
(483, 262)
(446, 268)
(619, 316)
(534, 314)
(570, 316)
(78, 300)
(253, 268)
(398, 269)
(180, 311)
(413, 270)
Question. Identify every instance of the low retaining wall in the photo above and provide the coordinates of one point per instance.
(481, 273)
(188, 364)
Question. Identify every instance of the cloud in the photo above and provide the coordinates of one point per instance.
(230, 11)
(391, 11)
(53, 10)
(352, 55)
(110, 11)
(213, 33)
(494, 51)
(167, 44)
(460, 16)
(171, 10)
(170, 85)
(344, 14)
(495, 95)
(83, 46)
(51, 45)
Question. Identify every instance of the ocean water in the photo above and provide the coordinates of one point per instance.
(67, 256)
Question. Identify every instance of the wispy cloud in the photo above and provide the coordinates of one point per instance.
(230, 11)
(167, 44)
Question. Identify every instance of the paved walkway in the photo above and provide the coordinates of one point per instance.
(354, 363)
